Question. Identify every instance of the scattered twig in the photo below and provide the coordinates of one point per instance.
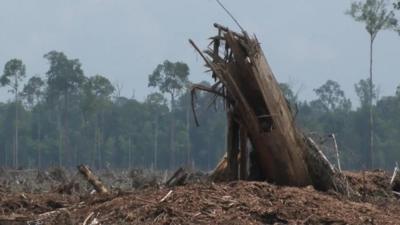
(87, 218)
(396, 193)
(230, 14)
(395, 171)
(166, 196)
(306, 220)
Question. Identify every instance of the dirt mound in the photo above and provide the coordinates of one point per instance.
(210, 203)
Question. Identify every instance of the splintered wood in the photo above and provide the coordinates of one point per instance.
(258, 113)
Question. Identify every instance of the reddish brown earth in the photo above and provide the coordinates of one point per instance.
(209, 203)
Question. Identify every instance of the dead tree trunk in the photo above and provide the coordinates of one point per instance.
(233, 147)
(92, 179)
(256, 104)
(243, 154)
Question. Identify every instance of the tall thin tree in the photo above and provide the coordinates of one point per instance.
(14, 72)
(170, 78)
(64, 79)
(33, 93)
(377, 17)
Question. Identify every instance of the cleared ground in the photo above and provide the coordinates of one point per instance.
(139, 198)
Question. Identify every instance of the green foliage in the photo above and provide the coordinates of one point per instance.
(374, 14)
(121, 132)
(33, 90)
(75, 118)
(97, 91)
(332, 98)
(170, 77)
(288, 93)
(397, 5)
(64, 75)
(14, 72)
(363, 92)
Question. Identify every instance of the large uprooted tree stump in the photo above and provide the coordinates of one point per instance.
(263, 141)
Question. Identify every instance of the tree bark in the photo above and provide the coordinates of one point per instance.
(39, 147)
(60, 140)
(129, 152)
(233, 146)
(155, 143)
(16, 124)
(371, 116)
(189, 146)
(172, 140)
(243, 154)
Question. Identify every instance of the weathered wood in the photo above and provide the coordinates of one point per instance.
(337, 152)
(243, 154)
(221, 172)
(395, 180)
(92, 179)
(284, 155)
(232, 151)
(178, 178)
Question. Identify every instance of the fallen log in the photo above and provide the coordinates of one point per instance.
(92, 179)
(256, 105)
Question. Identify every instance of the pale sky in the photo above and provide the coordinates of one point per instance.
(306, 41)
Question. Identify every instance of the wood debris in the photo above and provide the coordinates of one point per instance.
(92, 179)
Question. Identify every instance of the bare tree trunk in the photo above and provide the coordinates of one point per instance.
(243, 154)
(133, 153)
(189, 146)
(155, 143)
(172, 140)
(129, 152)
(233, 146)
(60, 142)
(39, 148)
(101, 139)
(16, 124)
(371, 117)
(65, 139)
(94, 154)
(99, 147)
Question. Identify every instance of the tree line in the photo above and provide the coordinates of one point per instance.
(64, 117)
(333, 113)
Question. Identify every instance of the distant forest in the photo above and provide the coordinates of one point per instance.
(65, 118)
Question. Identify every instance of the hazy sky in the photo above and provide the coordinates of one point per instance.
(306, 41)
